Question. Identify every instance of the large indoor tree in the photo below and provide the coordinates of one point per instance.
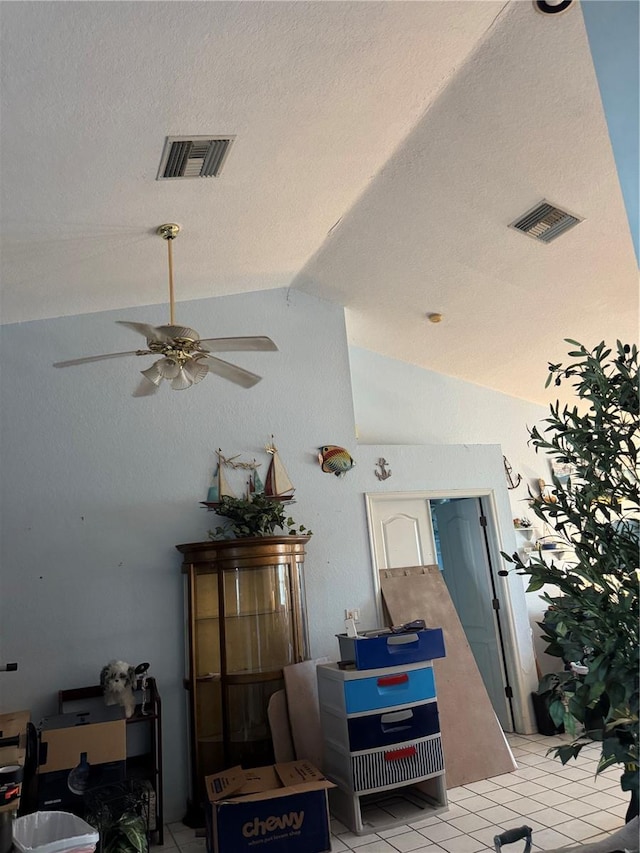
(593, 512)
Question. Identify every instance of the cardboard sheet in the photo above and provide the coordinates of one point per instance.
(473, 742)
(278, 716)
(301, 683)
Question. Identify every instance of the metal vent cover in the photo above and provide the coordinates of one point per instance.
(545, 222)
(193, 156)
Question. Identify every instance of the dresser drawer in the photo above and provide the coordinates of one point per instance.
(376, 730)
(389, 689)
(383, 768)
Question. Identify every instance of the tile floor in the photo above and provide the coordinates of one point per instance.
(565, 806)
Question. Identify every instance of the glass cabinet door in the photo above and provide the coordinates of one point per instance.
(247, 620)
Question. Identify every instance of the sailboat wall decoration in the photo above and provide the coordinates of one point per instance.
(277, 485)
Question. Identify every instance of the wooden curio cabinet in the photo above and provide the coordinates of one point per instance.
(246, 620)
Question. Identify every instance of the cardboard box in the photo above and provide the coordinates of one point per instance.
(78, 752)
(281, 808)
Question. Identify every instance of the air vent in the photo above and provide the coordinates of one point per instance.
(545, 222)
(193, 156)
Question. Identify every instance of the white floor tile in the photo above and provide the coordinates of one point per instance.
(469, 823)
(601, 801)
(552, 798)
(477, 803)
(547, 839)
(527, 789)
(619, 810)
(407, 841)
(502, 795)
(198, 846)
(529, 773)
(377, 846)
(337, 846)
(575, 790)
(462, 844)
(426, 821)
(500, 814)
(487, 835)
(455, 795)
(575, 828)
(604, 820)
(396, 830)
(551, 781)
(482, 786)
(549, 817)
(525, 806)
(437, 834)
(576, 808)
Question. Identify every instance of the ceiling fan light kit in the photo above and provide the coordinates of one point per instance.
(186, 358)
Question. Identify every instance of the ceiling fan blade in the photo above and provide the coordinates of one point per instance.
(151, 333)
(232, 372)
(91, 358)
(145, 388)
(255, 343)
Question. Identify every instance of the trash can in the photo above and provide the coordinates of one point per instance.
(54, 832)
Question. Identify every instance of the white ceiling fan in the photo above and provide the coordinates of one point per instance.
(186, 358)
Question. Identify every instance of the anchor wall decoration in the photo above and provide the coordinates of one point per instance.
(384, 473)
(508, 470)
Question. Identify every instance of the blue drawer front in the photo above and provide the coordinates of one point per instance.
(392, 649)
(385, 691)
(391, 727)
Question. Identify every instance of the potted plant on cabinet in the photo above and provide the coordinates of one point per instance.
(592, 620)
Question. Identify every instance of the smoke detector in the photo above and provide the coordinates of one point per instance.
(193, 156)
(552, 7)
(545, 222)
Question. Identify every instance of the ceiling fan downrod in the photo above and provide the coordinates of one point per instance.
(169, 231)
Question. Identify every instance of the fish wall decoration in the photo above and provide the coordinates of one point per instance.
(335, 460)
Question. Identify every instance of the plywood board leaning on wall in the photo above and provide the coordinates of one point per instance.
(473, 742)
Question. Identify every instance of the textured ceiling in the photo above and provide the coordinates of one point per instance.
(382, 150)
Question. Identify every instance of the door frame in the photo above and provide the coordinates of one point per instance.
(507, 640)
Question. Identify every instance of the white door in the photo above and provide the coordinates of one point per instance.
(402, 535)
(466, 572)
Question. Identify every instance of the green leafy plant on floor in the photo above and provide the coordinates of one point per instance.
(592, 615)
(255, 516)
(128, 835)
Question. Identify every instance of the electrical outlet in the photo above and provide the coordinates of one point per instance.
(352, 614)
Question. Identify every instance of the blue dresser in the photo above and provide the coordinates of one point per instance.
(381, 737)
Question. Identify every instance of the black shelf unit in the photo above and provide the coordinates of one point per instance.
(145, 765)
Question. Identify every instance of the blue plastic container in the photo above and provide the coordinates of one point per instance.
(392, 649)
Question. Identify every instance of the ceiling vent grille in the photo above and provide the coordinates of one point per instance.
(545, 222)
(193, 156)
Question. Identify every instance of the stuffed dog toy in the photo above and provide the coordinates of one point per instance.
(118, 680)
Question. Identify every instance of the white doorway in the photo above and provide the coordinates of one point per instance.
(458, 533)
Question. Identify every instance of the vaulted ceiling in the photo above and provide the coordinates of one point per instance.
(381, 151)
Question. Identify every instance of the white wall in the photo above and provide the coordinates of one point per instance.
(98, 487)
(397, 403)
